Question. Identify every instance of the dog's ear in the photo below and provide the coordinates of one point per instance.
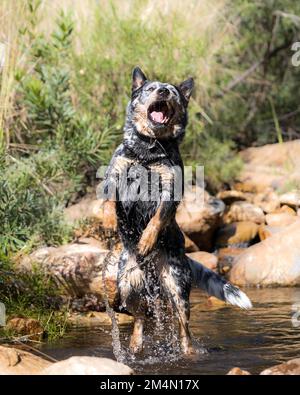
(138, 78)
(186, 88)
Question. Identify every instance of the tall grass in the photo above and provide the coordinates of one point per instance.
(11, 12)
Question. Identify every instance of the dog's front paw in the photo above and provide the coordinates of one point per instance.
(148, 239)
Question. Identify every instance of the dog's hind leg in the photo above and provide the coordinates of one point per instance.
(136, 340)
(184, 332)
(176, 286)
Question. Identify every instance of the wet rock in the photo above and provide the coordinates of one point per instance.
(87, 366)
(198, 219)
(244, 211)
(77, 270)
(15, 361)
(291, 367)
(226, 258)
(291, 199)
(189, 245)
(236, 233)
(95, 318)
(231, 196)
(215, 302)
(280, 219)
(205, 258)
(26, 327)
(272, 165)
(274, 261)
(238, 372)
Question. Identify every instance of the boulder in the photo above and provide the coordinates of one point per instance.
(267, 200)
(94, 318)
(291, 199)
(285, 209)
(237, 233)
(198, 218)
(77, 270)
(265, 231)
(205, 258)
(280, 219)
(18, 362)
(226, 257)
(272, 165)
(238, 372)
(291, 367)
(231, 196)
(274, 261)
(87, 366)
(89, 207)
(15, 361)
(244, 211)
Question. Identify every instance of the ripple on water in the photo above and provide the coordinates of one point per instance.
(224, 337)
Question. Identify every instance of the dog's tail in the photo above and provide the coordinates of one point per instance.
(215, 285)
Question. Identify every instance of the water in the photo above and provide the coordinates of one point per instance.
(225, 337)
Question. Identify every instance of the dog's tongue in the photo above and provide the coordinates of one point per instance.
(157, 116)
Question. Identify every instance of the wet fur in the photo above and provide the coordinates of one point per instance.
(153, 265)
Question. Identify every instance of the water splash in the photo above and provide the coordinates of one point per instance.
(118, 350)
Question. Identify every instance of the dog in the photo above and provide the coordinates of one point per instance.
(153, 268)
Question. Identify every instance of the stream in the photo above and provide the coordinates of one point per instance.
(224, 337)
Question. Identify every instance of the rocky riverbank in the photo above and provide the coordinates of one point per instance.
(249, 232)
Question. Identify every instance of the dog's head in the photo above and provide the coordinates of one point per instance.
(157, 109)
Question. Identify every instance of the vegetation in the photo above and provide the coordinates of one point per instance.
(64, 84)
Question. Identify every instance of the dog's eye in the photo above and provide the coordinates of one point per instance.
(150, 89)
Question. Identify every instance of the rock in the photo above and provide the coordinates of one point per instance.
(286, 209)
(265, 231)
(272, 165)
(238, 372)
(215, 302)
(87, 366)
(226, 258)
(231, 196)
(246, 187)
(236, 233)
(89, 207)
(92, 242)
(274, 261)
(199, 220)
(26, 326)
(77, 270)
(15, 361)
(189, 245)
(291, 199)
(244, 211)
(98, 318)
(205, 258)
(268, 200)
(280, 219)
(291, 367)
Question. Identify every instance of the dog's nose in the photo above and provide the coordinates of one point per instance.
(163, 92)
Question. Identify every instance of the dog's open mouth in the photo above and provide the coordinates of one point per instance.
(160, 112)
